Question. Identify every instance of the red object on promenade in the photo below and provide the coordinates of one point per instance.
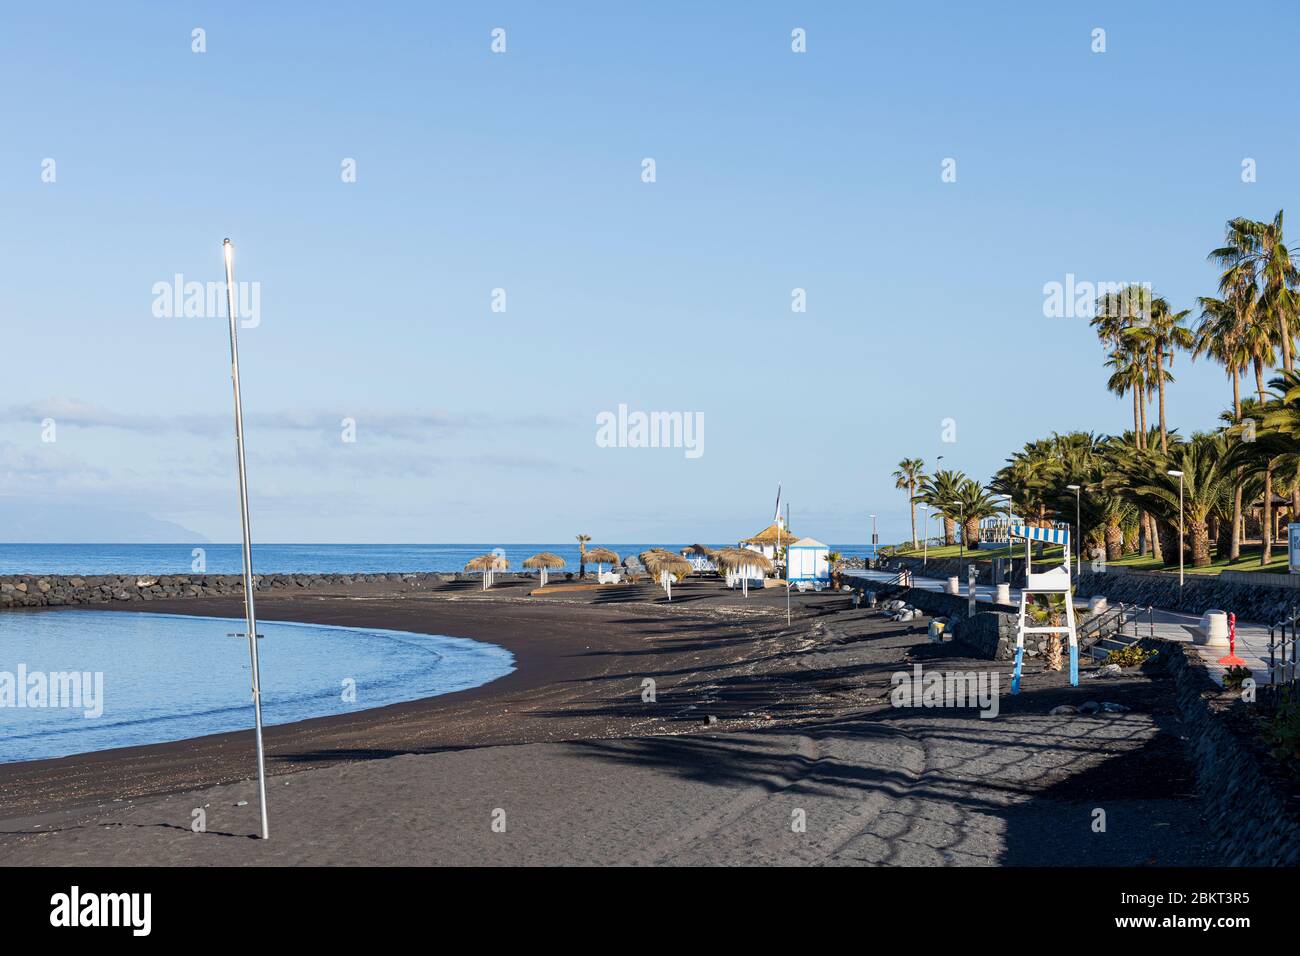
(1232, 660)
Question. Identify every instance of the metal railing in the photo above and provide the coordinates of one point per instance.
(1111, 623)
(1282, 650)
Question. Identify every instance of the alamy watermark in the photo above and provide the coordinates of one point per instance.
(75, 690)
(946, 689)
(1075, 299)
(180, 299)
(624, 429)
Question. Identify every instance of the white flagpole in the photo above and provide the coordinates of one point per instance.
(250, 614)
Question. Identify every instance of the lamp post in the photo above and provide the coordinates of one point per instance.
(875, 539)
(1078, 525)
(925, 533)
(1179, 475)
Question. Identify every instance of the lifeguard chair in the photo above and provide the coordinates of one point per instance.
(1055, 581)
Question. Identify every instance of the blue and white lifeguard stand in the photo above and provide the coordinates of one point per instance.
(1055, 581)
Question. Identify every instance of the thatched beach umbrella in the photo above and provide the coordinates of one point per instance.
(699, 551)
(740, 561)
(546, 559)
(601, 557)
(488, 563)
(666, 566)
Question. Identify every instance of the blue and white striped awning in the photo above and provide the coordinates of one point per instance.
(1050, 535)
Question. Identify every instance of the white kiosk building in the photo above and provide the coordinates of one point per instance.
(808, 562)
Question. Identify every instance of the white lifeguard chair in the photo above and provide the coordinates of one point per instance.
(1055, 581)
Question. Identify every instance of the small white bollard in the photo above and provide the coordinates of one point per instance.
(1096, 604)
(954, 585)
(1004, 594)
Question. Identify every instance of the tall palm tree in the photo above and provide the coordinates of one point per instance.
(910, 474)
(1221, 334)
(582, 555)
(1129, 375)
(1160, 338)
(940, 491)
(1255, 252)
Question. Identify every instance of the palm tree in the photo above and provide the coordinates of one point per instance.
(1255, 253)
(1209, 477)
(1130, 375)
(582, 555)
(910, 473)
(1222, 334)
(975, 504)
(940, 491)
(1160, 338)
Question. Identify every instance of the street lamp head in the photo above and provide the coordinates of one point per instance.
(1073, 487)
(1175, 474)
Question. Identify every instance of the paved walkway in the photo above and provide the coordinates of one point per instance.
(1252, 639)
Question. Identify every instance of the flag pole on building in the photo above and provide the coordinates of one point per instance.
(250, 613)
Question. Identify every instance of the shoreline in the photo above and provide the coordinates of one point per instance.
(752, 721)
(555, 642)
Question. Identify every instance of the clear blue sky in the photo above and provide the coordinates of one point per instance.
(522, 171)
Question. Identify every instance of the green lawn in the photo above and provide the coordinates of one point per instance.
(1051, 553)
(1249, 560)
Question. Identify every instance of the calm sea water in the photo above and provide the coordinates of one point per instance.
(288, 558)
(168, 677)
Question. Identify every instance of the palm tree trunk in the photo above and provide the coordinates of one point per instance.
(1200, 543)
(1285, 329)
(1234, 543)
(911, 490)
(1114, 540)
(949, 531)
(1266, 530)
(1160, 388)
(1234, 546)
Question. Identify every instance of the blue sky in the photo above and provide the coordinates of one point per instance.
(522, 171)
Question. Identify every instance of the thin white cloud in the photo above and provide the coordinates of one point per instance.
(385, 423)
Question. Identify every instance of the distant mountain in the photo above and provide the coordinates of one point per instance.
(25, 521)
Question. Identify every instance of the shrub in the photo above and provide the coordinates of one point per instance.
(1131, 656)
(1233, 677)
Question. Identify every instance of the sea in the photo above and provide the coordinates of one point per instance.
(89, 559)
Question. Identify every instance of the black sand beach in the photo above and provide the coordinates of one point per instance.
(766, 744)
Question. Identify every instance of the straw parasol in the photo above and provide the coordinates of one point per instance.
(546, 559)
(666, 566)
(488, 563)
(736, 560)
(601, 557)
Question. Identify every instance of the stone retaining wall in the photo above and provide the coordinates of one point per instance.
(1250, 602)
(53, 590)
(990, 634)
(1252, 804)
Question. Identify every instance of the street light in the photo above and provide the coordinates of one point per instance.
(1078, 527)
(1179, 475)
(875, 539)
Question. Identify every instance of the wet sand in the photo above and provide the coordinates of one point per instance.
(765, 744)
